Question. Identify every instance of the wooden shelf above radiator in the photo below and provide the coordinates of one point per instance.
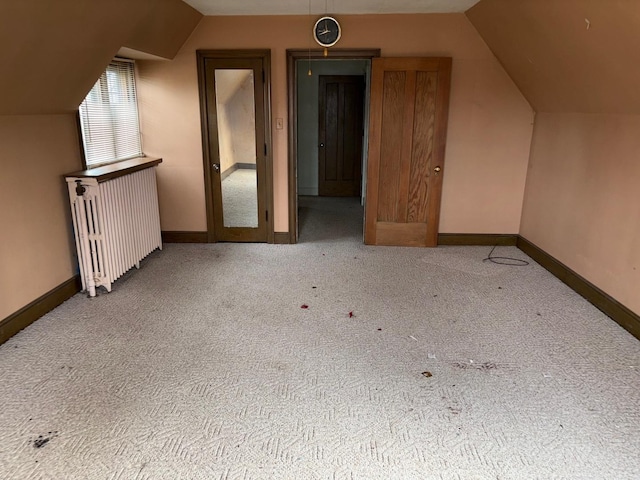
(118, 169)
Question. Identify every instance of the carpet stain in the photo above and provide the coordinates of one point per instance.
(476, 366)
(427, 374)
(42, 440)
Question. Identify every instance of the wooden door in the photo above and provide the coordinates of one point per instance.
(409, 109)
(234, 102)
(340, 135)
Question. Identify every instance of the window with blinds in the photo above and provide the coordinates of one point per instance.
(109, 116)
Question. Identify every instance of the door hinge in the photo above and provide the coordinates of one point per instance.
(266, 214)
(265, 149)
(264, 77)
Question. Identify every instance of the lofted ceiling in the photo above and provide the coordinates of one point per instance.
(577, 56)
(302, 7)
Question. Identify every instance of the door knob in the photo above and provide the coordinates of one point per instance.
(322, 145)
(437, 170)
(216, 167)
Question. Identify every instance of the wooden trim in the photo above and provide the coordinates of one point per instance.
(477, 239)
(204, 121)
(334, 53)
(237, 166)
(184, 237)
(36, 309)
(83, 153)
(228, 171)
(292, 143)
(373, 160)
(268, 134)
(292, 56)
(281, 238)
(118, 169)
(599, 299)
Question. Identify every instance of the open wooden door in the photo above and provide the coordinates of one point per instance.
(409, 111)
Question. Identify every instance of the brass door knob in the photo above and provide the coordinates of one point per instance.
(437, 169)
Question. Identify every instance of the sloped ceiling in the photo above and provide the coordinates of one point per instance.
(579, 56)
(53, 51)
(232, 81)
(302, 7)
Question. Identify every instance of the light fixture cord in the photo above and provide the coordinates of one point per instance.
(309, 73)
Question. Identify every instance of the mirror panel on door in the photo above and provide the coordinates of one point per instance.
(235, 106)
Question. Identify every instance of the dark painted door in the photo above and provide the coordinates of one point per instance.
(340, 135)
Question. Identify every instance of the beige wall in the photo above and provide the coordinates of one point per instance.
(489, 132)
(235, 109)
(163, 28)
(582, 202)
(242, 120)
(36, 252)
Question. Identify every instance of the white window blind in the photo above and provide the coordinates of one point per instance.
(109, 116)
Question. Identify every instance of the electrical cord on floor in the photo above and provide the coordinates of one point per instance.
(511, 262)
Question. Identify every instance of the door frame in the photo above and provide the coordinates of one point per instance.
(265, 57)
(294, 55)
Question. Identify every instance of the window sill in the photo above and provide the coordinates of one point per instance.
(118, 169)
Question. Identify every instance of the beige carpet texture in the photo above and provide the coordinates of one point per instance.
(240, 199)
(325, 360)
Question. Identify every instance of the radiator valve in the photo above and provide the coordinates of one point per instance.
(80, 189)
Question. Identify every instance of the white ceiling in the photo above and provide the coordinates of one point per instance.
(301, 7)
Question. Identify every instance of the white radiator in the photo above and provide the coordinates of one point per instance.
(116, 224)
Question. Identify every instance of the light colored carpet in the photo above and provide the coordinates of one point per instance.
(203, 365)
(240, 199)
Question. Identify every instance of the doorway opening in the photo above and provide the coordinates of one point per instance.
(331, 148)
(328, 136)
